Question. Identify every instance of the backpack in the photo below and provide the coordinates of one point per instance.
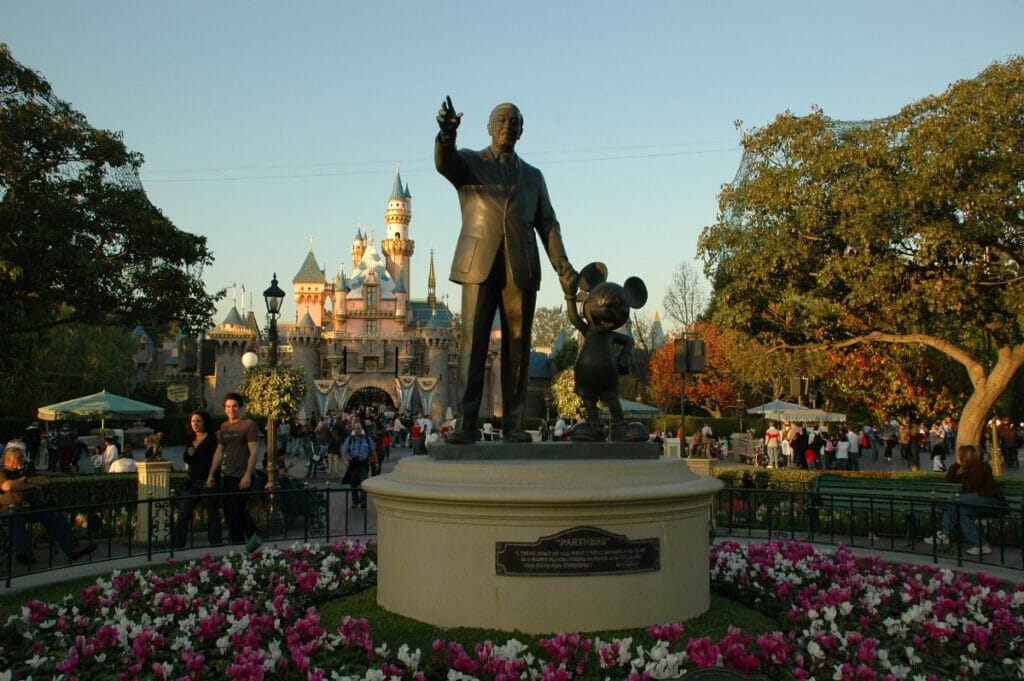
(864, 442)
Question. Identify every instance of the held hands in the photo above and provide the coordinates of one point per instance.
(447, 119)
(570, 281)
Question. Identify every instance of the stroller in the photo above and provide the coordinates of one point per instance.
(318, 459)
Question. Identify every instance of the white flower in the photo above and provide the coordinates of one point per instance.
(410, 659)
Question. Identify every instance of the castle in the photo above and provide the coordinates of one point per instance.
(361, 337)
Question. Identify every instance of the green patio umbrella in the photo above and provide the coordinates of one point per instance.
(102, 406)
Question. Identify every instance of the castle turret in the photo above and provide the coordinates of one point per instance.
(358, 247)
(310, 286)
(305, 341)
(232, 339)
(397, 247)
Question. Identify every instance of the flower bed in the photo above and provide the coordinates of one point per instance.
(254, 617)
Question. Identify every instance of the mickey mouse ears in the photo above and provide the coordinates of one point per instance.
(597, 273)
(593, 274)
(636, 292)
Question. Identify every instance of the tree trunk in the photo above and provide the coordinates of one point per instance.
(987, 389)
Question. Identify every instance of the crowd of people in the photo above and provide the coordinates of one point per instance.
(916, 445)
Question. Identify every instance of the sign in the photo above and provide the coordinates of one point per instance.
(177, 393)
(578, 551)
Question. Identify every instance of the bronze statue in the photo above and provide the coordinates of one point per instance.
(598, 365)
(504, 201)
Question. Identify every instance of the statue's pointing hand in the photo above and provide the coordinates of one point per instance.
(447, 119)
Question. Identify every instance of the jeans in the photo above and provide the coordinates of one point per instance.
(236, 510)
(54, 522)
(971, 506)
(198, 492)
(362, 472)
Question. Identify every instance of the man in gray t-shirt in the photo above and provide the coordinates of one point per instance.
(237, 450)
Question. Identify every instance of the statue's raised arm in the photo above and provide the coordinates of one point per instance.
(448, 120)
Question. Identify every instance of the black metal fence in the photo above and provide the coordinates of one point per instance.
(885, 523)
(146, 527)
(315, 511)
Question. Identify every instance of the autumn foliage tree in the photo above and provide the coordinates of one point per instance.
(906, 231)
(900, 381)
(713, 390)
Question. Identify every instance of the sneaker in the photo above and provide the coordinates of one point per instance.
(980, 551)
(82, 548)
(255, 541)
(940, 538)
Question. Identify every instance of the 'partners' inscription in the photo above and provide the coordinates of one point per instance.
(578, 551)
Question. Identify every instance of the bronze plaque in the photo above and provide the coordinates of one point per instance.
(578, 551)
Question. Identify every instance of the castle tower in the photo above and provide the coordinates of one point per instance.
(310, 290)
(657, 333)
(436, 339)
(358, 247)
(397, 247)
(305, 341)
(232, 339)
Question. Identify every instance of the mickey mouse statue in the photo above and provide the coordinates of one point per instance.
(606, 307)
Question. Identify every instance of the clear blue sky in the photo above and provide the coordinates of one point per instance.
(265, 122)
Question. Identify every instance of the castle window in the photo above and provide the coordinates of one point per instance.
(372, 295)
(371, 326)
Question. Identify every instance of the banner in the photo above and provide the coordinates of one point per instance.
(323, 386)
(405, 385)
(426, 389)
(341, 390)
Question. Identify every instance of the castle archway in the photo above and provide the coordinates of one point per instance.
(370, 396)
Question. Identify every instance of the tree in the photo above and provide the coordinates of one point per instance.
(64, 362)
(276, 393)
(547, 323)
(713, 390)
(686, 298)
(915, 383)
(563, 388)
(903, 231)
(81, 241)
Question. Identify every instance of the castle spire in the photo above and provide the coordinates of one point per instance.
(432, 284)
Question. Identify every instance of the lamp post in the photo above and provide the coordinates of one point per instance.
(274, 298)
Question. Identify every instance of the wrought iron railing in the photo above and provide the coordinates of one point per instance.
(314, 511)
(301, 511)
(884, 522)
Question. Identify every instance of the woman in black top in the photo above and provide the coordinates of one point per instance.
(202, 442)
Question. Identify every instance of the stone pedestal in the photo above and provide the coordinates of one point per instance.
(155, 484)
(702, 467)
(543, 538)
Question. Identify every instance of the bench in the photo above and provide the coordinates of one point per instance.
(913, 499)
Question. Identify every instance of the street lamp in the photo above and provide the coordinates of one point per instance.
(274, 298)
(250, 359)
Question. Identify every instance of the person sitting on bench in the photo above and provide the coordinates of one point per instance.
(24, 494)
(979, 493)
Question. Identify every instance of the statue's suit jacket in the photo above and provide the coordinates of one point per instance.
(500, 205)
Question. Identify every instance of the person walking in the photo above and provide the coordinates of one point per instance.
(359, 454)
(235, 458)
(202, 445)
(853, 452)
